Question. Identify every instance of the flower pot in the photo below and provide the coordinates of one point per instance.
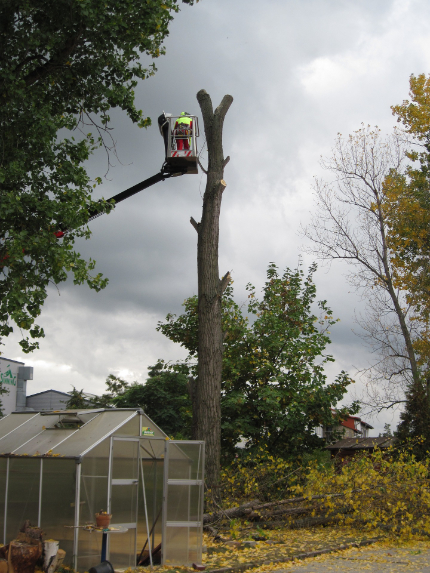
(103, 519)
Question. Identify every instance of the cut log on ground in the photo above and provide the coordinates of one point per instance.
(22, 557)
(57, 561)
(50, 548)
(233, 512)
(254, 516)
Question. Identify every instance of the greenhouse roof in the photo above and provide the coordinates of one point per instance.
(64, 433)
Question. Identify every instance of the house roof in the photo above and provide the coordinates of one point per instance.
(66, 394)
(10, 360)
(46, 391)
(348, 422)
(362, 443)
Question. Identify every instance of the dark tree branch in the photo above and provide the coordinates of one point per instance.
(57, 61)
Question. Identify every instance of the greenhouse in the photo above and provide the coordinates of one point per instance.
(58, 469)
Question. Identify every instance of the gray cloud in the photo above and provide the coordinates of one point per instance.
(299, 72)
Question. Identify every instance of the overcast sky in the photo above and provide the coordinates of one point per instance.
(300, 71)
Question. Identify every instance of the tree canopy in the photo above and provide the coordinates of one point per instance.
(408, 212)
(63, 65)
(407, 208)
(164, 398)
(274, 389)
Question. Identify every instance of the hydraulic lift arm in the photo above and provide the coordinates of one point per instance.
(177, 161)
(165, 173)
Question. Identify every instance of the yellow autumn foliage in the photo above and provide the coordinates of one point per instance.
(261, 476)
(386, 491)
(407, 211)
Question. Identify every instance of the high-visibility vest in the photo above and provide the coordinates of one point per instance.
(184, 120)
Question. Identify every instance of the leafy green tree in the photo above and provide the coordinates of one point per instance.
(78, 400)
(274, 390)
(63, 65)
(164, 398)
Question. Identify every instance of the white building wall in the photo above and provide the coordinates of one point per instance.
(9, 381)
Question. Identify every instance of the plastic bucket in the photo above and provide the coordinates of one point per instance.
(103, 567)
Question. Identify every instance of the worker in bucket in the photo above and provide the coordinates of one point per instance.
(183, 129)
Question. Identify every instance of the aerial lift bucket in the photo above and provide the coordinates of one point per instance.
(180, 143)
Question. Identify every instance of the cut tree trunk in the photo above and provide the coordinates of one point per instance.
(22, 557)
(231, 513)
(210, 289)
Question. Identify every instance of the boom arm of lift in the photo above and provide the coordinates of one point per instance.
(166, 172)
(171, 168)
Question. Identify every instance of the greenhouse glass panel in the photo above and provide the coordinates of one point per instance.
(183, 545)
(187, 503)
(23, 494)
(153, 476)
(185, 461)
(25, 432)
(87, 415)
(94, 483)
(124, 482)
(126, 459)
(152, 448)
(44, 442)
(58, 502)
(124, 505)
(12, 421)
(150, 429)
(183, 508)
(93, 498)
(80, 443)
(131, 428)
(122, 549)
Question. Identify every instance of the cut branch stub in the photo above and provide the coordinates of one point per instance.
(195, 224)
(223, 283)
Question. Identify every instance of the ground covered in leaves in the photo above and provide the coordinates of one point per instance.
(239, 546)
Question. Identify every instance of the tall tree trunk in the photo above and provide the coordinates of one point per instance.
(210, 288)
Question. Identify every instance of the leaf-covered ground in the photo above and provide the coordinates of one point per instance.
(279, 543)
(284, 543)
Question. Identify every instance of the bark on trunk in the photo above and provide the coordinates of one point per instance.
(210, 288)
(22, 557)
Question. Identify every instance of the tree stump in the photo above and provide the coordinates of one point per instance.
(22, 557)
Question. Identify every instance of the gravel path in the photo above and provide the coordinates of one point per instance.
(411, 559)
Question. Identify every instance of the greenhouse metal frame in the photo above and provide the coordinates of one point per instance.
(58, 469)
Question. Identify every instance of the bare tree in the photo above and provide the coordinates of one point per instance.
(350, 224)
(206, 393)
